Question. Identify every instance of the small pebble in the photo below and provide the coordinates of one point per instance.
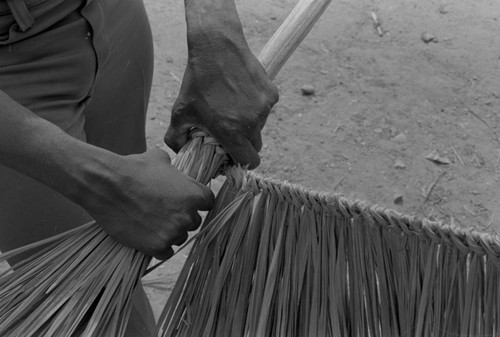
(399, 164)
(307, 90)
(401, 138)
(169, 59)
(435, 157)
(398, 199)
(378, 130)
(443, 9)
(428, 37)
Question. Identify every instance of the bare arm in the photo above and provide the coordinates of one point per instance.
(140, 200)
(225, 90)
(205, 16)
(39, 149)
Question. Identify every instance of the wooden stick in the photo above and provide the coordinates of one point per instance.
(290, 34)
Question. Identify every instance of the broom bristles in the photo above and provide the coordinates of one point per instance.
(291, 262)
(70, 286)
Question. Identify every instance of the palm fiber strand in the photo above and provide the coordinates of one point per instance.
(275, 259)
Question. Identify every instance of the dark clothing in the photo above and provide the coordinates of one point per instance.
(85, 66)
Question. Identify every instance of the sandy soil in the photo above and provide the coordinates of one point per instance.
(396, 121)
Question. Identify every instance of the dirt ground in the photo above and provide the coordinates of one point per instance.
(396, 121)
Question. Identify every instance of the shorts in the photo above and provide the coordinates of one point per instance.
(85, 66)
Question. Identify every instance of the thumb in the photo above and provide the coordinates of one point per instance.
(177, 133)
(176, 138)
(241, 150)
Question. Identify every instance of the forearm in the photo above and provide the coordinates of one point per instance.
(38, 149)
(211, 20)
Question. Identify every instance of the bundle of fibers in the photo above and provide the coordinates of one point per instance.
(275, 259)
(83, 275)
(80, 283)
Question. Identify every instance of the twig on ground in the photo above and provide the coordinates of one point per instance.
(472, 213)
(458, 156)
(338, 183)
(472, 112)
(378, 25)
(490, 222)
(482, 120)
(175, 77)
(431, 186)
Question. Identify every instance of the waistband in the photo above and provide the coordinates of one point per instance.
(20, 19)
(22, 11)
(5, 9)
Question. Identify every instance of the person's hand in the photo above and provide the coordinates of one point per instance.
(226, 93)
(148, 204)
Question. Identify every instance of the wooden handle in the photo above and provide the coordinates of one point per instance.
(290, 34)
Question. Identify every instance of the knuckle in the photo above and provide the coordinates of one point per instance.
(160, 247)
(164, 255)
(269, 91)
(168, 234)
(193, 222)
(161, 155)
(170, 136)
(181, 238)
(229, 127)
(254, 163)
(256, 141)
(185, 220)
(232, 133)
(205, 196)
(266, 101)
(274, 95)
(178, 107)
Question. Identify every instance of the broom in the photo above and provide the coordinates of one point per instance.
(81, 282)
